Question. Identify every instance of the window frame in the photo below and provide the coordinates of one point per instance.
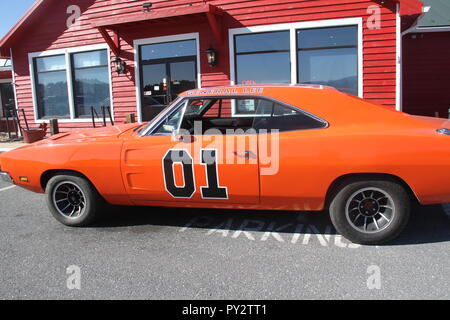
(149, 132)
(36, 79)
(298, 49)
(236, 54)
(74, 69)
(70, 80)
(155, 40)
(293, 28)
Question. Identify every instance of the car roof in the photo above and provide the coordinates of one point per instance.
(250, 89)
(322, 101)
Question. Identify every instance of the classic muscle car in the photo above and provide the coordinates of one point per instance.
(261, 147)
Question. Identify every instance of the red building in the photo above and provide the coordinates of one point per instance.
(426, 64)
(135, 56)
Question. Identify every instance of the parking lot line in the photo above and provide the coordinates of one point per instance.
(7, 188)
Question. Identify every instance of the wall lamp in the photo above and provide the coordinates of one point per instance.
(146, 6)
(119, 65)
(211, 55)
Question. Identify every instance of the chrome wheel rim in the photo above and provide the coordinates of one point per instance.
(69, 200)
(370, 210)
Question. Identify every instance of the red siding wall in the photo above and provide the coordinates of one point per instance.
(51, 33)
(426, 74)
(5, 75)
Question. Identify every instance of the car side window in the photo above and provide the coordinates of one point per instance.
(284, 118)
(183, 117)
(171, 123)
(216, 114)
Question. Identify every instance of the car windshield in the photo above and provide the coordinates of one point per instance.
(159, 116)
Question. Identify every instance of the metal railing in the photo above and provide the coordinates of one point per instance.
(104, 110)
(14, 131)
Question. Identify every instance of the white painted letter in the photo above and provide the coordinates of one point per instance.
(74, 279)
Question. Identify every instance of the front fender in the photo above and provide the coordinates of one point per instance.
(98, 161)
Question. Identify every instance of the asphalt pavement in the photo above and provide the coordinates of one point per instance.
(163, 253)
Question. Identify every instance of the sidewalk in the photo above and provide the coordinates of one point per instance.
(7, 146)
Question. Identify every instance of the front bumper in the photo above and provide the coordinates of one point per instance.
(6, 177)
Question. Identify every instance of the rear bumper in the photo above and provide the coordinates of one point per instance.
(6, 177)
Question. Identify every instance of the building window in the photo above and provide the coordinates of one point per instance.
(329, 56)
(86, 78)
(91, 82)
(51, 87)
(263, 58)
(327, 52)
(166, 50)
(166, 69)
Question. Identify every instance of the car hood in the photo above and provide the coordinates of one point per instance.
(91, 134)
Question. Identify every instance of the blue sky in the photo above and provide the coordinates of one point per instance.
(11, 12)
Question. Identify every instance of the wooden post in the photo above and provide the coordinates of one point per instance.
(54, 127)
(130, 118)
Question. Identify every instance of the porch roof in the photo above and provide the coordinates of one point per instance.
(154, 15)
(211, 12)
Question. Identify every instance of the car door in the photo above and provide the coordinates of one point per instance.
(293, 158)
(163, 167)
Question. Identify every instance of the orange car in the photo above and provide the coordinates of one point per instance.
(262, 147)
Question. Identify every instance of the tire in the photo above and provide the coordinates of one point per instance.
(82, 200)
(360, 211)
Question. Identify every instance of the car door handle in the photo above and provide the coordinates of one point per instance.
(186, 139)
(245, 154)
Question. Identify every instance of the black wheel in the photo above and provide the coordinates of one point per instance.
(72, 200)
(370, 212)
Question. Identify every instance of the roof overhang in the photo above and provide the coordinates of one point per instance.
(157, 14)
(211, 12)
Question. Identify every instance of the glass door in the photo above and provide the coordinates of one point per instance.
(183, 76)
(167, 69)
(6, 99)
(154, 90)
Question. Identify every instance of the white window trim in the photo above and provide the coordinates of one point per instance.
(66, 53)
(177, 37)
(398, 71)
(292, 27)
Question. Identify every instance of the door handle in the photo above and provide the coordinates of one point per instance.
(245, 154)
(185, 139)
